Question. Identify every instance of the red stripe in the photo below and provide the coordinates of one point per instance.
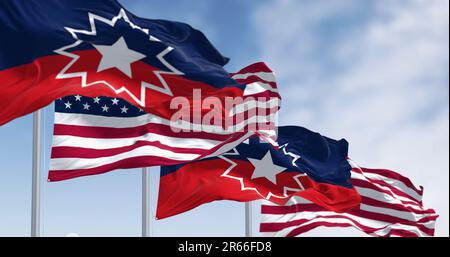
(80, 152)
(107, 132)
(387, 217)
(398, 207)
(255, 78)
(314, 225)
(266, 94)
(402, 233)
(276, 209)
(394, 219)
(129, 163)
(395, 176)
(306, 228)
(366, 184)
(246, 115)
(273, 227)
(255, 67)
(382, 183)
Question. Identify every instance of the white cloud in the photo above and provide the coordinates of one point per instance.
(375, 73)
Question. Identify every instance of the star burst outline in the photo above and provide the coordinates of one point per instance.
(247, 188)
(93, 32)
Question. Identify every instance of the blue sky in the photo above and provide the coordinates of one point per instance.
(373, 72)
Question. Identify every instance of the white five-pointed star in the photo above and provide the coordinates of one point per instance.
(115, 101)
(119, 56)
(86, 106)
(105, 108)
(68, 105)
(266, 168)
(97, 100)
(124, 109)
(78, 98)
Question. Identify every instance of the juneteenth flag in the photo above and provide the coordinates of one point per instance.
(306, 164)
(51, 49)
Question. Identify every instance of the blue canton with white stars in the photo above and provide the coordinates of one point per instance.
(101, 105)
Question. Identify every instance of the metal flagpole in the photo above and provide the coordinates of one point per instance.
(36, 177)
(145, 202)
(248, 219)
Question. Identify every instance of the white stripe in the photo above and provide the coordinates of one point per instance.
(267, 76)
(249, 105)
(280, 233)
(373, 194)
(414, 229)
(77, 119)
(383, 230)
(258, 87)
(86, 163)
(374, 209)
(394, 213)
(373, 223)
(312, 218)
(108, 143)
(313, 215)
(284, 232)
(239, 127)
(394, 183)
(365, 192)
(271, 234)
(361, 177)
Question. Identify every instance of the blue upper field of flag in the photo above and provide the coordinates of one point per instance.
(46, 23)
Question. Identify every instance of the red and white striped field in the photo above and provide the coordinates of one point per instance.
(86, 144)
(391, 206)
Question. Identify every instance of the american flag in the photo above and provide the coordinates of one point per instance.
(390, 206)
(97, 135)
